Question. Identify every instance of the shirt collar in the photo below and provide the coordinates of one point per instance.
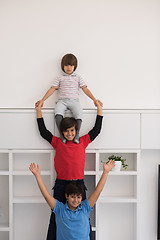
(77, 209)
(65, 74)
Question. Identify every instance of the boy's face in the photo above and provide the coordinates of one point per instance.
(70, 133)
(69, 69)
(74, 201)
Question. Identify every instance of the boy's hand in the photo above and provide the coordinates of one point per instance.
(98, 103)
(39, 103)
(99, 107)
(107, 167)
(37, 106)
(38, 110)
(35, 170)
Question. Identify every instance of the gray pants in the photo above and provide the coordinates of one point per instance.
(72, 104)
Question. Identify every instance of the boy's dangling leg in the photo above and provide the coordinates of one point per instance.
(59, 118)
(76, 139)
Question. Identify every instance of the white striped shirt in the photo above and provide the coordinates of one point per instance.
(68, 85)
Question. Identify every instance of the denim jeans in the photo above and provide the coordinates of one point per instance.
(59, 194)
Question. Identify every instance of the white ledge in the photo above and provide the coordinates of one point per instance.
(85, 110)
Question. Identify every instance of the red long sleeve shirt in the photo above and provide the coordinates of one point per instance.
(69, 158)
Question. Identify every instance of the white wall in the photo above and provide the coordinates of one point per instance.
(116, 42)
(117, 45)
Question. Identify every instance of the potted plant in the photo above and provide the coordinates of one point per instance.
(119, 161)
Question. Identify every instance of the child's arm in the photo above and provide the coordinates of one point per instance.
(98, 124)
(47, 95)
(44, 132)
(95, 195)
(38, 111)
(99, 107)
(36, 172)
(90, 95)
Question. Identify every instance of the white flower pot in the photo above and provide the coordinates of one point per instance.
(117, 167)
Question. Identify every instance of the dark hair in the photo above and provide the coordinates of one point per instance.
(74, 188)
(69, 59)
(68, 122)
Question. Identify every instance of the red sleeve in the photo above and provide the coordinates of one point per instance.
(54, 142)
(86, 140)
